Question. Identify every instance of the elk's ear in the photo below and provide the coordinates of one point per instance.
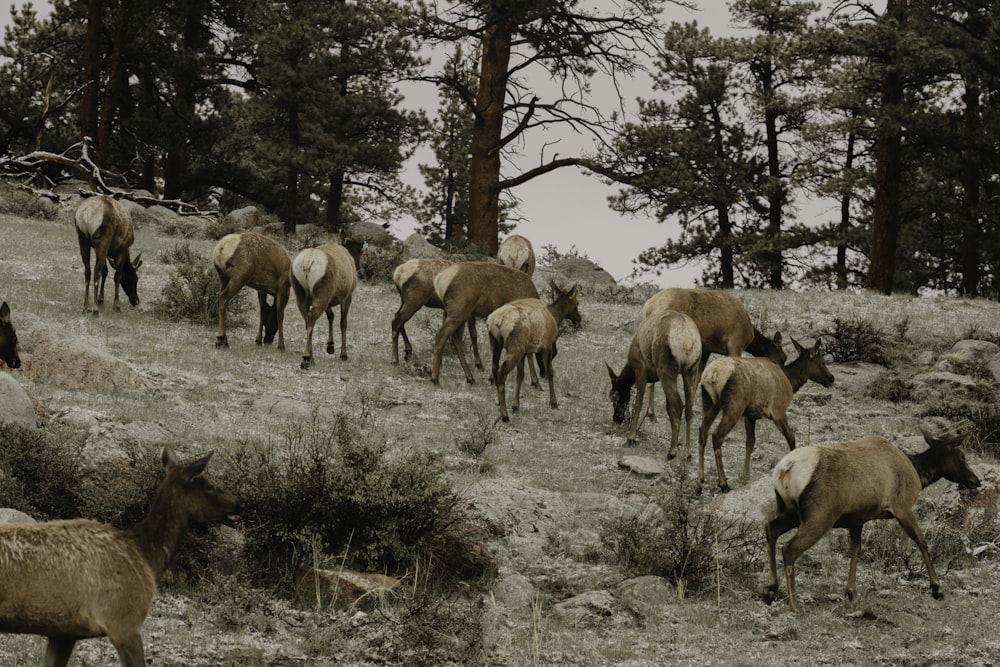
(798, 348)
(168, 457)
(611, 372)
(5, 314)
(137, 262)
(777, 339)
(197, 467)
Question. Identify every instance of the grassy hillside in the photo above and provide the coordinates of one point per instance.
(554, 473)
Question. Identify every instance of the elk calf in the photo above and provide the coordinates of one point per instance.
(8, 339)
(523, 327)
(848, 484)
(106, 226)
(414, 280)
(73, 580)
(516, 252)
(753, 388)
(324, 277)
(262, 263)
(473, 289)
(665, 345)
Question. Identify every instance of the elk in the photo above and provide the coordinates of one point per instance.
(324, 277)
(517, 253)
(721, 319)
(103, 224)
(414, 280)
(523, 327)
(753, 388)
(8, 339)
(846, 485)
(666, 344)
(79, 579)
(473, 289)
(263, 264)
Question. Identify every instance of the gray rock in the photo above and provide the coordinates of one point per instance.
(243, 219)
(593, 608)
(993, 365)
(369, 232)
(944, 378)
(15, 404)
(515, 591)
(973, 351)
(8, 515)
(642, 465)
(418, 246)
(579, 269)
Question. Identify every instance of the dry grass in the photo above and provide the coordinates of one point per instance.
(566, 458)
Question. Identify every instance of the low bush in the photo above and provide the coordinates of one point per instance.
(856, 340)
(39, 475)
(335, 489)
(192, 291)
(677, 538)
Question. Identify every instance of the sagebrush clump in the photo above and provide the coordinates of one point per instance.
(192, 292)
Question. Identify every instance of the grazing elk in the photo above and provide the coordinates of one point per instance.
(524, 327)
(78, 579)
(665, 345)
(324, 277)
(517, 253)
(414, 280)
(848, 484)
(473, 289)
(753, 388)
(264, 265)
(8, 339)
(103, 224)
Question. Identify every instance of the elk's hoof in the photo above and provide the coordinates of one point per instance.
(671, 456)
(281, 346)
(724, 488)
(936, 592)
(505, 418)
(554, 405)
(330, 348)
(221, 341)
(849, 594)
(343, 356)
(306, 361)
(770, 594)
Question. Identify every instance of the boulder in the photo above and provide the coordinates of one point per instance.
(16, 406)
(417, 246)
(9, 515)
(243, 219)
(369, 232)
(593, 608)
(582, 270)
(973, 351)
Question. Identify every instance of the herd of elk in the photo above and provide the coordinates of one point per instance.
(71, 580)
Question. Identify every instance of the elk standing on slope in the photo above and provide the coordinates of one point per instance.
(848, 484)
(324, 277)
(78, 579)
(753, 388)
(517, 253)
(665, 345)
(473, 289)
(414, 280)
(106, 226)
(8, 339)
(523, 327)
(262, 263)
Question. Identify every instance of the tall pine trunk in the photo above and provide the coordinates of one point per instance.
(90, 101)
(487, 133)
(971, 231)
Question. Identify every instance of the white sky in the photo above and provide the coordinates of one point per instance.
(568, 208)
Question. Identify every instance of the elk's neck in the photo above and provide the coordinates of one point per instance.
(925, 467)
(796, 377)
(159, 534)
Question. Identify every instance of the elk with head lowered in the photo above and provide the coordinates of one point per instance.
(665, 345)
(79, 579)
(517, 252)
(103, 224)
(322, 278)
(262, 263)
(523, 327)
(8, 339)
(848, 484)
(752, 388)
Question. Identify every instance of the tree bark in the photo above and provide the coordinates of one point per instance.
(487, 132)
(888, 168)
(971, 231)
(117, 85)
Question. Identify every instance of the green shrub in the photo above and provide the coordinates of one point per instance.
(979, 417)
(337, 490)
(856, 340)
(192, 291)
(38, 474)
(677, 538)
(378, 263)
(890, 387)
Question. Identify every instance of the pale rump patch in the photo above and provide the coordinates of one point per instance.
(794, 472)
(404, 272)
(90, 216)
(716, 375)
(685, 343)
(224, 250)
(531, 316)
(443, 280)
(309, 267)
